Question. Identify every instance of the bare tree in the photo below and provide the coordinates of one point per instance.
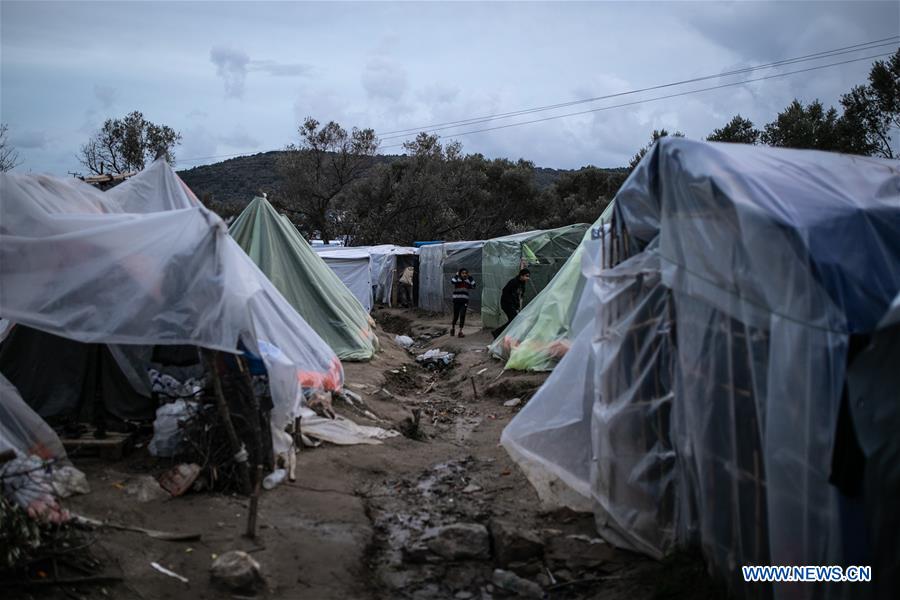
(9, 158)
(128, 144)
(319, 170)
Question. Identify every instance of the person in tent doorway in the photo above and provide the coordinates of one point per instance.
(511, 298)
(405, 295)
(461, 283)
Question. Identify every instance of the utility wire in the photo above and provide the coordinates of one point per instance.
(808, 57)
(667, 96)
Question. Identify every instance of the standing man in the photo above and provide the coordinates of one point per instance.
(511, 298)
(461, 283)
(405, 295)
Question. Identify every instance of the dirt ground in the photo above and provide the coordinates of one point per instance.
(351, 526)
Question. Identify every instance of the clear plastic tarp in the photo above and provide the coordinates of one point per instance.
(304, 279)
(74, 263)
(722, 365)
(22, 430)
(541, 252)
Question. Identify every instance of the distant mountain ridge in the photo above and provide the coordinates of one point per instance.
(235, 181)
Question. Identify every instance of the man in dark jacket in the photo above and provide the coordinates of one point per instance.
(461, 283)
(511, 298)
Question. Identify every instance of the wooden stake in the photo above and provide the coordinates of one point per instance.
(254, 504)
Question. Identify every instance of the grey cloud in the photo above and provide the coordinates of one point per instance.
(29, 139)
(384, 79)
(231, 66)
(197, 114)
(106, 95)
(439, 94)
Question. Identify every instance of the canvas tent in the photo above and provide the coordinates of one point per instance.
(305, 280)
(543, 252)
(438, 263)
(734, 386)
(146, 264)
(541, 334)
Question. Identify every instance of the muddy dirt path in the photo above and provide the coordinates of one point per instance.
(430, 514)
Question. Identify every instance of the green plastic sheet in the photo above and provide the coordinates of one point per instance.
(542, 252)
(540, 335)
(305, 280)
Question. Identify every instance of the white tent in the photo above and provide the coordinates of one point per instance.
(146, 263)
(368, 271)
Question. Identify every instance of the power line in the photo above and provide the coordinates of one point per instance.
(668, 96)
(808, 57)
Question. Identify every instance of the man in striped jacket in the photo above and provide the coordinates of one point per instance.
(461, 283)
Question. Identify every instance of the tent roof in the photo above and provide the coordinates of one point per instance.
(812, 236)
(305, 280)
(145, 263)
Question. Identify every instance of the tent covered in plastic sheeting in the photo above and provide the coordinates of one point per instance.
(75, 264)
(304, 279)
(438, 263)
(542, 252)
(541, 334)
(22, 430)
(370, 272)
(736, 385)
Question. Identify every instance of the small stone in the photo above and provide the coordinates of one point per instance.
(459, 541)
(471, 488)
(511, 582)
(146, 489)
(464, 595)
(237, 570)
(513, 402)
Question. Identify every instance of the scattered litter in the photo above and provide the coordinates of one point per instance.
(481, 371)
(68, 481)
(237, 570)
(28, 482)
(166, 571)
(156, 534)
(273, 479)
(403, 341)
(168, 437)
(513, 402)
(320, 403)
(435, 359)
(180, 478)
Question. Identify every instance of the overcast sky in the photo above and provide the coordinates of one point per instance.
(238, 77)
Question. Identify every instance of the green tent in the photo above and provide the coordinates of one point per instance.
(539, 335)
(305, 280)
(542, 252)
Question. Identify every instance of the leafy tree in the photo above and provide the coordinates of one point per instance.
(580, 196)
(128, 144)
(318, 171)
(739, 130)
(9, 158)
(654, 137)
(872, 111)
(811, 126)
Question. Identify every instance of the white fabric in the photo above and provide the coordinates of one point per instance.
(74, 262)
(355, 274)
(22, 430)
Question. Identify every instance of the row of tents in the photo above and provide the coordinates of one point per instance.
(731, 380)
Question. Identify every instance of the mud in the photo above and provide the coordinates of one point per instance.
(352, 525)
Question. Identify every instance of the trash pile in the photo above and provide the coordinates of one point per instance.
(436, 359)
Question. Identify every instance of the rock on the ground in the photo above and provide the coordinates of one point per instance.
(513, 544)
(146, 489)
(578, 552)
(237, 570)
(513, 402)
(511, 582)
(459, 541)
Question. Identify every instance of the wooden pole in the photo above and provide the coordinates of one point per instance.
(254, 504)
(209, 357)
